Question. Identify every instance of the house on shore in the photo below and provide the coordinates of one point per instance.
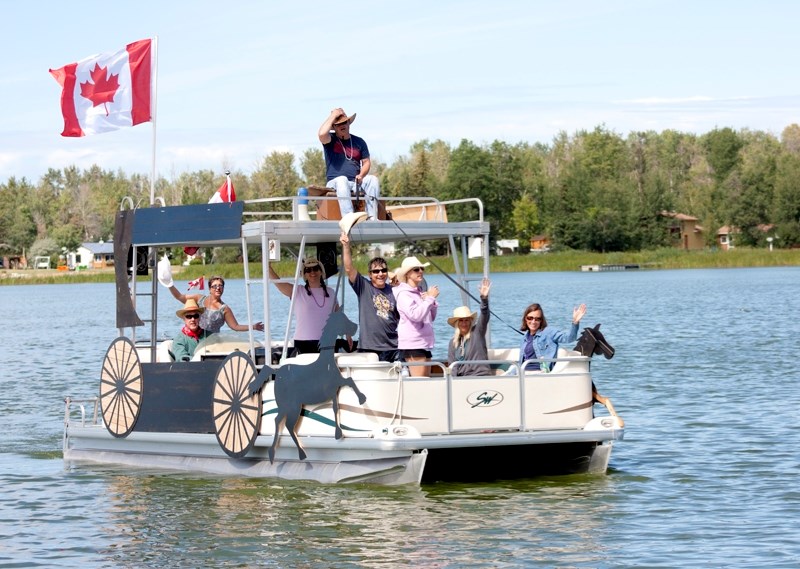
(725, 235)
(684, 231)
(506, 246)
(92, 256)
(540, 243)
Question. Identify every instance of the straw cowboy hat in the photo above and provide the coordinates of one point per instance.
(351, 219)
(190, 306)
(309, 262)
(408, 264)
(459, 313)
(344, 118)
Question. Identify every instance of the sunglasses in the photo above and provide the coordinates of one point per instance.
(341, 124)
(533, 318)
(379, 271)
(191, 316)
(313, 269)
(418, 269)
(217, 286)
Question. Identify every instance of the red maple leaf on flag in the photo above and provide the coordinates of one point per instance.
(103, 89)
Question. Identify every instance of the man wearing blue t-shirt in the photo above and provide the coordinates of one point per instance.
(347, 163)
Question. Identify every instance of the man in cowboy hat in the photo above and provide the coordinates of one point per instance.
(347, 163)
(377, 309)
(185, 343)
(469, 338)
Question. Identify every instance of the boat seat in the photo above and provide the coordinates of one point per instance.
(301, 359)
(164, 352)
(328, 210)
(563, 353)
(356, 358)
(504, 354)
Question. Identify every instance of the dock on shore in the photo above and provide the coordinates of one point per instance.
(608, 267)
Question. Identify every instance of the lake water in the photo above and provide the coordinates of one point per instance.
(705, 376)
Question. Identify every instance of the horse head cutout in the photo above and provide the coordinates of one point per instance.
(297, 385)
(593, 342)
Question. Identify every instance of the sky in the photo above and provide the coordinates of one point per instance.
(238, 80)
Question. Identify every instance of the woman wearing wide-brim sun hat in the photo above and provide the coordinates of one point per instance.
(215, 311)
(469, 339)
(314, 302)
(415, 336)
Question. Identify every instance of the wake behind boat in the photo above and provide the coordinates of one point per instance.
(242, 406)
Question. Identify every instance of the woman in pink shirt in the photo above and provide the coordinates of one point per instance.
(415, 338)
(313, 304)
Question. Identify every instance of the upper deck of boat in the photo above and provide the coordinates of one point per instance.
(227, 224)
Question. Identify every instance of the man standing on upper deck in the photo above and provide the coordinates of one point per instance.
(377, 308)
(347, 163)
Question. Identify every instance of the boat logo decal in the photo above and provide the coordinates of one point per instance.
(486, 398)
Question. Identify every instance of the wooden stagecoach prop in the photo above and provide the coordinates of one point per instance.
(209, 396)
(121, 387)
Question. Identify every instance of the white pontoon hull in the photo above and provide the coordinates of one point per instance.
(409, 430)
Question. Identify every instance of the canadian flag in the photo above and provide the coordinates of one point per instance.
(199, 282)
(225, 193)
(107, 91)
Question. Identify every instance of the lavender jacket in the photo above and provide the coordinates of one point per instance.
(415, 329)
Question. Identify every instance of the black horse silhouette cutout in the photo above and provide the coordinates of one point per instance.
(593, 342)
(308, 384)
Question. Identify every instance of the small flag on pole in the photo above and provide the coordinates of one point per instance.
(199, 282)
(225, 193)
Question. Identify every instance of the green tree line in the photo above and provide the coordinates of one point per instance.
(593, 190)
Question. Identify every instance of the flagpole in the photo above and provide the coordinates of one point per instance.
(153, 105)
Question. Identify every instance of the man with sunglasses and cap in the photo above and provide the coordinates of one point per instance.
(347, 163)
(377, 309)
(185, 343)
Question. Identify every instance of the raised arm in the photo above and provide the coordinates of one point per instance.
(183, 297)
(577, 313)
(326, 127)
(483, 318)
(347, 258)
(285, 288)
(233, 324)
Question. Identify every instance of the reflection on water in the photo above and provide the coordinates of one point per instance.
(265, 522)
(704, 377)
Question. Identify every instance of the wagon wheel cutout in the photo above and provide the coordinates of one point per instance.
(237, 415)
(121, 387)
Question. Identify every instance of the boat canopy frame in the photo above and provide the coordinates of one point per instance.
(265, 222)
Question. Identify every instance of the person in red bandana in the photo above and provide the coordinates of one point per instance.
(185, 343)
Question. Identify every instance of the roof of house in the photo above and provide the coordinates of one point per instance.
(678, 216)
(727, 230)
(102, 248)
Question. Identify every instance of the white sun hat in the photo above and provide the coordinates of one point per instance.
(408, 264)
(350, 219)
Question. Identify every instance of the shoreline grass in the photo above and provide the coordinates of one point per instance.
(544, 262)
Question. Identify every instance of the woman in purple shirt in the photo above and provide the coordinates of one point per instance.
(415, 338)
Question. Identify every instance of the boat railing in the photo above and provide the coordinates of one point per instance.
(436, 369)
(413, 208)
(510, 380)
(72, 406)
